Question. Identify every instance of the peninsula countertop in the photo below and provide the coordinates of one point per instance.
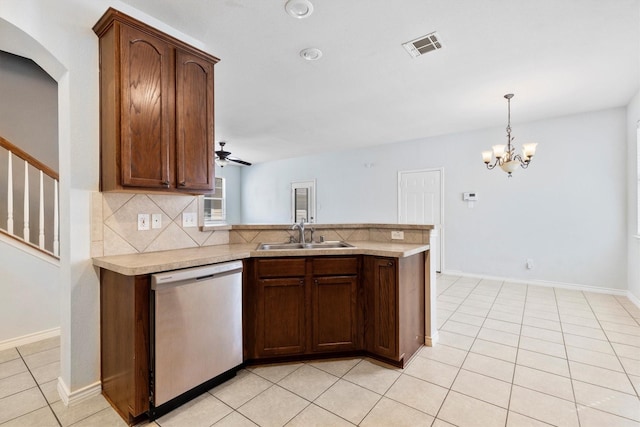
(155, 262)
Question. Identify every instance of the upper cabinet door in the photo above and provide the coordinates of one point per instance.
(194, 122)
(145, 110)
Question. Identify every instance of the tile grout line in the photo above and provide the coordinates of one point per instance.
(515, 365)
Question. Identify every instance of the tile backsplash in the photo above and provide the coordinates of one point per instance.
(114, 224)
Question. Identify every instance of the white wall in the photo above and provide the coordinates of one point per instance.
(633, 244)
(567, 211)
(30, 294)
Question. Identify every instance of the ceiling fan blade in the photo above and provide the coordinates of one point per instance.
(242, 162)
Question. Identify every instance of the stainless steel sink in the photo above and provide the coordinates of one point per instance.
(290, 246)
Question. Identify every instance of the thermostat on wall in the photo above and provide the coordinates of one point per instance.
(470, 197)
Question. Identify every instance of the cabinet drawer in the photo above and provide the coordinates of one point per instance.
(282, 267)
(328, 266)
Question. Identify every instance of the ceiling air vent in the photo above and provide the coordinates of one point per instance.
(423, 44)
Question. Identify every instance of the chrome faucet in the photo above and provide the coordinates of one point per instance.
(300, 227)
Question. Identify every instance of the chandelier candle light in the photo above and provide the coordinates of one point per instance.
(505, 155)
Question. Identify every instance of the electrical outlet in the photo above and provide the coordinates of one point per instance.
(156, 220)
(143, 222)
(189, 219)
(529, 263)
(397, 235)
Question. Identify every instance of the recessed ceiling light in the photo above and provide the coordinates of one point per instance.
(299, 8)
(311, 53)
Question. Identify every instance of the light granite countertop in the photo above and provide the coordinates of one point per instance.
(155, 262)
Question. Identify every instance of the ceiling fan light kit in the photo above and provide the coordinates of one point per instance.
(505, 155)
(223, 157)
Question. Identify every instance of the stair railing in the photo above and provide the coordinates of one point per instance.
(45, 174)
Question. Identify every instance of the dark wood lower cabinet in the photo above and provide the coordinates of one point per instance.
(312, 306)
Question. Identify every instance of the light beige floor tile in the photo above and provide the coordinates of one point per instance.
(508, 308)
(492, 349)
(451, 299)
(21, 403)
(39, 346)
(203, 411)
(12, 367)
(543, 407)
(499, 325)
(543, 362)
(588, 343)
(421, 395)
(50, 391)
(74, 413)
(373, 376)
(42, 417)
(337, 367)
(439, 423)
(42, 358)
(464, 411)
(308, 382)
(546, 308)
(482, 387)
(635, 380)
(541, 346)
(348, 401)
(273, 407)
(516, 420)
(595, 358)
(628, 351)
(390, 413)
(600, 376)
(443, 353)
(552, 325)
(106, 417)
(505, 317)
(539, 315)
(581, 320)
(474, 311)
(315, 416)
(607, 400)
(432, 371)
(499, 337)
(462, 342)
(467, 318)
(542, 334)
(590, 417)
(623, 338)
(8, 354)
(583, 331)
(275, 373)
(240, 389)
(16, 383)
(624, 319)
(235, 419)
(46, 373)
(631, 366)
(543, 382)
(624, 329)
(489, 366)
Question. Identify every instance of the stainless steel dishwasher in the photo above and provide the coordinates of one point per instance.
(196, 330)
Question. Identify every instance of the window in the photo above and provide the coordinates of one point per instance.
(214, 204)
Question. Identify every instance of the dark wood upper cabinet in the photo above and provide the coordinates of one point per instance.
(156, 113)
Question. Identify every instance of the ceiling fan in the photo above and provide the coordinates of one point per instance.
(224, 157)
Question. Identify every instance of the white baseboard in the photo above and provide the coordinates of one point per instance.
(545, 283)
(634, 299)
(430, 341)
(30, 338)
(70, 399)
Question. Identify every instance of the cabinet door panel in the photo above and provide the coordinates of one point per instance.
(334, 326)
(281, 316)
(383, 310)
(194, 119)
(145, 116)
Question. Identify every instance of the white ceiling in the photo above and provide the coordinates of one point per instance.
(558, 56)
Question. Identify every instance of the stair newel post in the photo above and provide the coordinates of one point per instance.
(26, 201)
(10, 194)
(56, 250)
(41, 215)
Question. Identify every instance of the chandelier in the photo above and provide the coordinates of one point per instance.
(505, 155)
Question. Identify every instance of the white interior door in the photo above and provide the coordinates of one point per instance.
(420, 202)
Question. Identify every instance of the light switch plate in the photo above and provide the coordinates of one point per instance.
(397, 235)
(156, 220)
(189, 219)
(143, 222)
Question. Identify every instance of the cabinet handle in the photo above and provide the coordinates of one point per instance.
(302, 281)
(390, 263)
(165, 183)
(182, 184)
